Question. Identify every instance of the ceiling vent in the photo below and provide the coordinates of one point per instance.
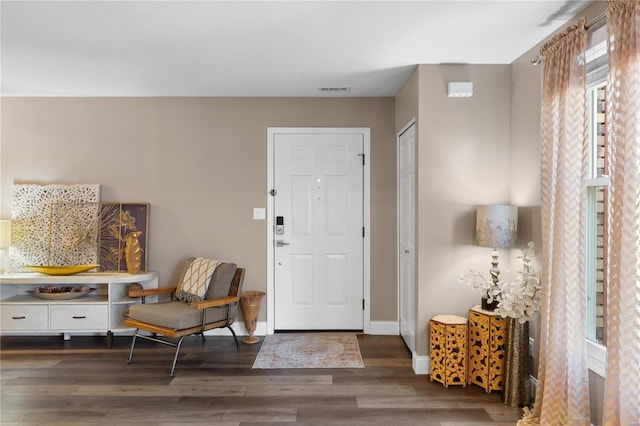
(334, 89)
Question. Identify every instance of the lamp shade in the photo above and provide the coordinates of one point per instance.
(496, 226)
(5, 234)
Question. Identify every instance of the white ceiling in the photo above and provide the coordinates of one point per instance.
(256, 48)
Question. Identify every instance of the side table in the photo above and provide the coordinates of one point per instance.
(487, 339)
(448, 349)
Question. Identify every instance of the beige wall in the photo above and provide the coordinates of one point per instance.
(462, 161)
(525, 162)
(201, 163)
(407, 101)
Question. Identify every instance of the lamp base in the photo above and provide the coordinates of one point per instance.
(489, 306)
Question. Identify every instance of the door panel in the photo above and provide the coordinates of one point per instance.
(336, 210)
(302, 274)
(301, 205)
(406, 234)
(336, 285)
(318, 270)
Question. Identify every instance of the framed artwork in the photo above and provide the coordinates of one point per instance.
(116, 221)
(53, 225)
(67, 225)
(71, 239)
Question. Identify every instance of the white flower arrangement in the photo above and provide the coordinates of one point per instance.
(485, 286)
(519, 299)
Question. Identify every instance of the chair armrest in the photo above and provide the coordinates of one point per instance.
(218, 301)
(151, 291)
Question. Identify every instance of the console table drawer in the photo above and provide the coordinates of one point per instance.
(75, 317)
(24, 317)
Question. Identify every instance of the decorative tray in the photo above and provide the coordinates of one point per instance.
(60, 293)
(60, 270)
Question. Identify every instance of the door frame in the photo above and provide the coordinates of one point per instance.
(366, 199)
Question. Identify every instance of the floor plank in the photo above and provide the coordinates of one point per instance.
(49, 381)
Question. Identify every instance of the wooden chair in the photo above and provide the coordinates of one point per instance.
(176, 319)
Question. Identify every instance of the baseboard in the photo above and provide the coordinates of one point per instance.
(384, 328)
(420, 364)
(381, 328)
(239, 329)
(378, 328)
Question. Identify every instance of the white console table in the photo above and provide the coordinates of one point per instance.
(102, 310)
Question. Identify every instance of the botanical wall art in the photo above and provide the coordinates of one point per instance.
(73, 233)
(103, 231)
(117, 221)
(38, 240)
(67, 225)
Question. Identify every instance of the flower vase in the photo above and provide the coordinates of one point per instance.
(250, 303)
(515, 391)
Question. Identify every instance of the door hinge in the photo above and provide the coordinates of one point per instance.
(273, 192)
(362, 155)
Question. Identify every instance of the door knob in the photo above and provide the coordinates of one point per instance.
(280, 243)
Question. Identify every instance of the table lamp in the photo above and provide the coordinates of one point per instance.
(496, 227)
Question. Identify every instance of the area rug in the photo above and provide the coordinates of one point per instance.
(309, 350)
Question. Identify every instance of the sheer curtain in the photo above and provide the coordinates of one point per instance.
(562, 397)
(622, 384)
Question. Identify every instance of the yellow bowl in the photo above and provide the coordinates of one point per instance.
(60, 270)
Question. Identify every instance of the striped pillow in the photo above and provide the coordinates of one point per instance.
(196, 279)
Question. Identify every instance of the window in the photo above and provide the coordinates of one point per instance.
(596, 187)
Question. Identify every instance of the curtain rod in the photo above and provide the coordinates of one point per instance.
(595, 20)
(537, 60)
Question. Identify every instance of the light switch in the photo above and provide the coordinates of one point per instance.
(259, 214)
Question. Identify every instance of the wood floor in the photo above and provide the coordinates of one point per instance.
(46, 380)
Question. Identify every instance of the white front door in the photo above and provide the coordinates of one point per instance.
(406, 233)
(318, 235)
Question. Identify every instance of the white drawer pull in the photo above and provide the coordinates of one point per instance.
(20, 317)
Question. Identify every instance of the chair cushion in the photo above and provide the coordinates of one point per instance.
(195, 280)
(221, 280)
(175, 315)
